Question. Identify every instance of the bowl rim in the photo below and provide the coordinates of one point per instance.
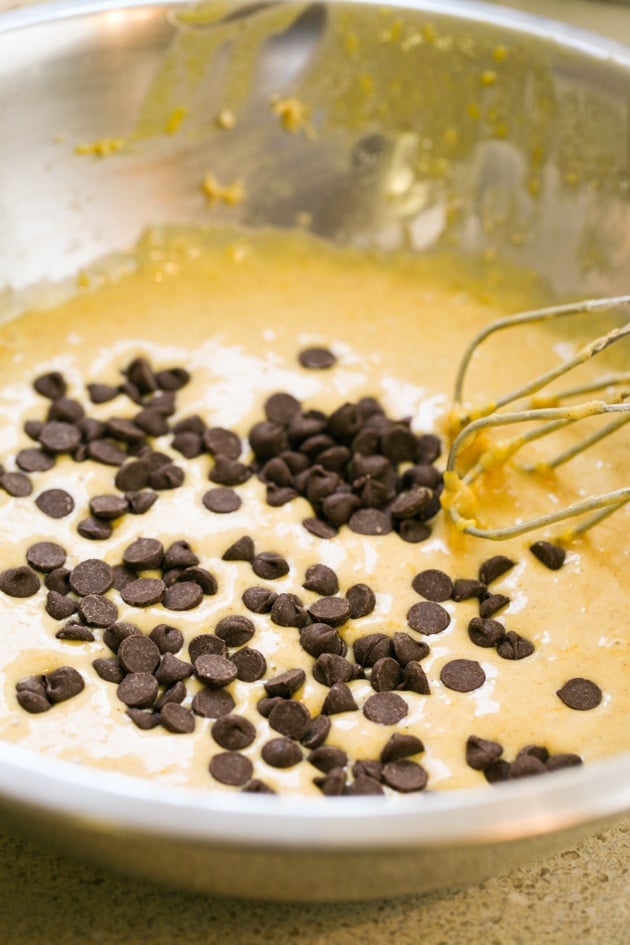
(72, 792)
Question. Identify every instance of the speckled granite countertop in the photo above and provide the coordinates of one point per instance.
(578, 897)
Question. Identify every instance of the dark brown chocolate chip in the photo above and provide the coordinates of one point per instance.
(65, 409)
(235, 630)
(51, 385)
(481, 753)
(285, 684)
(370, 522)
(492, 605)
(153, 422)
(172, 378)
(241, 550)
(33, 428)
(407, 650)
(206, 581)
(321, 579)
(97, 611)
(63, 683)
(250, 664)
(525, 766)
(256, 786)
(339, 508)
(140, 373)
(212, 703)
(19, 582)
(281, 753)
(259, 600)
(76, 632)
(45, 556)
(363, 786)
(514, 647)
(233, 732)
(55, 503)
(108, 507)
(386, 675)
(269, 565)
(368, 768)
(138, 654)
(334, 611)
(462, 675)
(133, 476)
(176, 719)
(58, 437)
(333, 783)
(494, 567)
(206, 643)
(290, 718)
(287, 611)
(107, 453)
(122, 576)
(215, 671)
(320, 638)
(31, 694)
(16, 484)
(58, 580)
(144, 592)
(138, 690)
(34, 460)
(327, 757)
(188, 444)
(465, 588)
(319, 528)
(267, 440)
(172, 670)
(411, 503)
(183, 596)
(266, 704)
(175, 692)
(144, 554)
(428, 618)
(385, 708)
(339, 699)
(405, 776)
(109, 669)
(414, 679)
(60, 607)
(90, 429)
(220, 441)
(94, 529)
(168, 476)
(229, 472)
(316, 359)
(143, 720)
(433, 585)
(361, 599)
(123, 429)
(372, 647)
(317, 732)
(487, 632)
(230, 767)
(101, 393)
(91, 577)
(140, 502)
(167, 639)
(579, 693)
(114, 635)
(329, 669)
(497, 772)
(562, 760)
(280, 407)
(179, 555)
(552, 556)
(400, 746)
(538, 751)
(222, 500)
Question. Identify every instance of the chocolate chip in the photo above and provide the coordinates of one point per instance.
(122, 576)
(329, 669)
(183, 596)
(144, 554)
(259, 600)
(339, 508)
(316, 359)
(138, 690)
(138, 654)
(109, 669)
(140, 502)
(94, 529)
(385, 708)
(172, 378)
(559, 761)
(241, 550)
(370, 522)
(229, 472)
(280, 407)
(318, 528)
(176, 719)
(317, 732)
(285, 684)
(428, 618)
(537, 751)
(65, 409)
(320, 638)
(400, 746)
(45, 556)
(432, 584)
(123, 429)
(327, 758)
(235, 630)
(552, 556)
(281, 753)
(256, 786)
(172, 670)
(269, 565)
(56, 503)
(51, 385)
(287, 611)
(151, 421)
(405, 776)
(215, 671)
(59, 437)
(101, 393)
(321, 579)
(481, 753)
(91, 577)
(339, 699)
(414, 679)
(524, 766)
(168, 476)
(144, 592)
(407, 650)
(76, 632)
(409, 504)
(58, 580)
(63, 683)
(579, 693)
(514, 647)
(386, 675)
(116, 633)
(19, 582)
(109, 507)
(361, 599)
(290, 718)
(206, 643)
(206, 581)
(250, 664)
(464, 589)
(167, 639)
(462, 675)
(97, 611)
(486, 633)
(212, 703)
(15, 484)
(133, 476)
(33, 428)
(492, 605)
(188, 444)
(60, 607)
(176, 692)
(230, 767)
(372, 647)
(494, 567)
(233, 732)
(219, 441)
(31, 695)
(266, 704)
(143, 720)
(497, 772)
(367, 768)
(334, 611)
(105, 452)
(363, 786)
(34, 460)
(222, 500)
(179, 555)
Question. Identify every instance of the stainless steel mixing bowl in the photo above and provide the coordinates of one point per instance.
(437, 124)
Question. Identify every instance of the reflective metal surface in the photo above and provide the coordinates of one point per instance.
(422, 150)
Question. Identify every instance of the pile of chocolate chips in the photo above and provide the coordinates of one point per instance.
(485, 755)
